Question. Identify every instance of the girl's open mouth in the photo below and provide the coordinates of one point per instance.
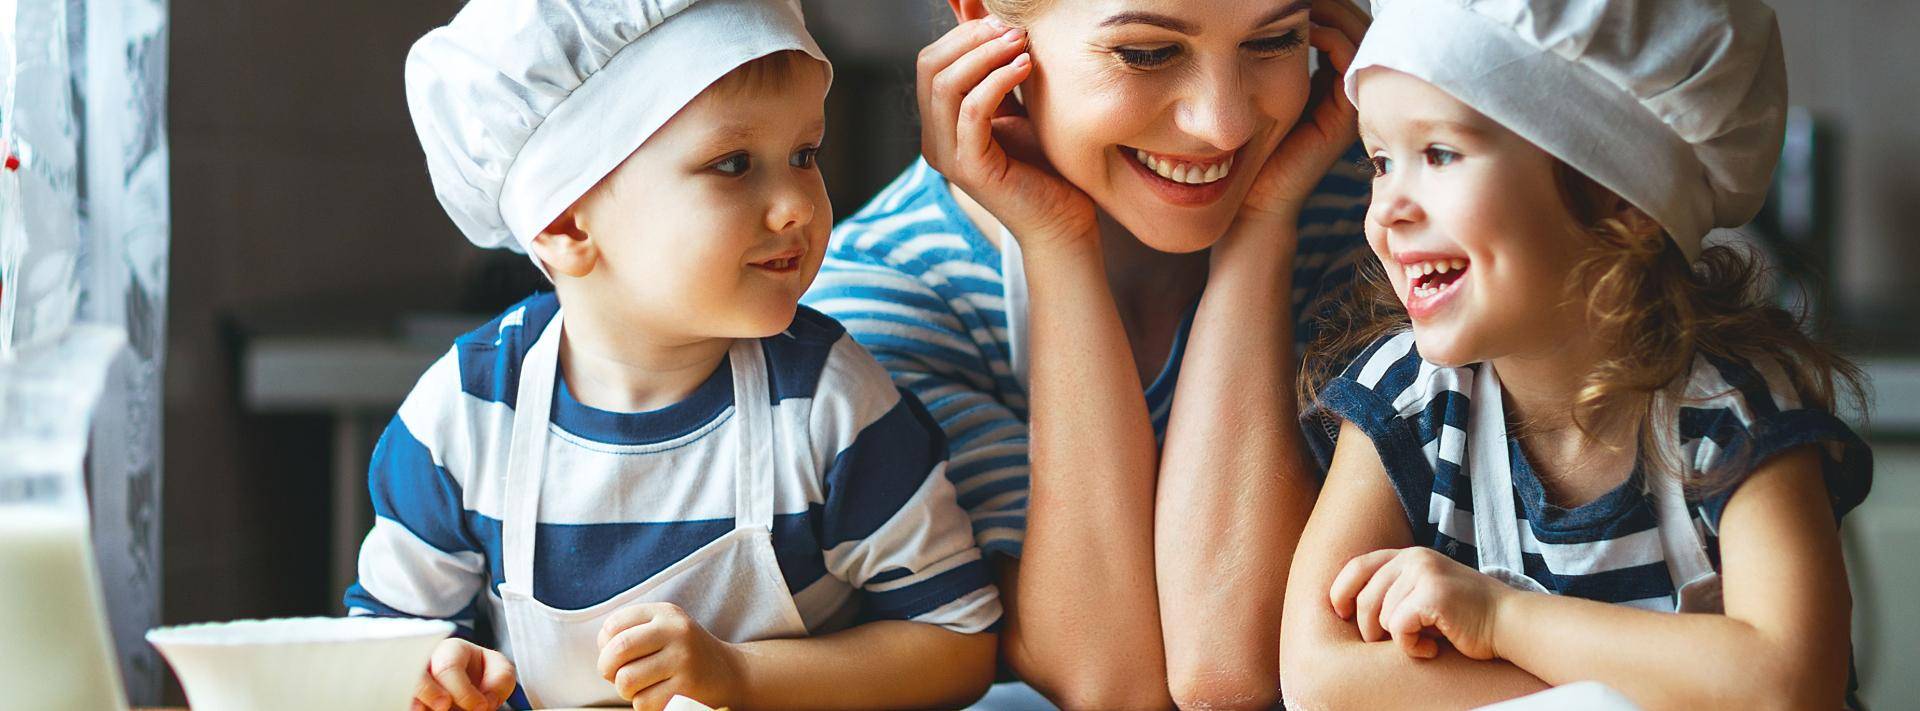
(1430, 282)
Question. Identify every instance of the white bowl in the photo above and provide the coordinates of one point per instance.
(317, 663)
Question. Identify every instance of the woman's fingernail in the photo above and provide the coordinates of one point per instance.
(1022, 60)
(995, 21)
(1014, 35)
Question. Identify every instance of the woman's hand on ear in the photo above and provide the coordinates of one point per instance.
(978, 138)
(1327, 127)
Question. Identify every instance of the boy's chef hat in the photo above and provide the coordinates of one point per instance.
(524, 105)
(1678, 106)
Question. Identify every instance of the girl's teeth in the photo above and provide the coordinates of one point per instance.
(1184, 173)
(1439, 266)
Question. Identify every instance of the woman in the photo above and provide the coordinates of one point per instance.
(1128, 195)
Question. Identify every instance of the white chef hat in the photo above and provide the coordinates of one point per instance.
(1678, 106)
(522, 106)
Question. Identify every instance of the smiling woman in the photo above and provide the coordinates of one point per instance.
(1097, 280)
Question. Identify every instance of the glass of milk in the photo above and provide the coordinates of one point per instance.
(54, 648)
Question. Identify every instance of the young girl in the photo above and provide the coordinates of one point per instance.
(1561, 391)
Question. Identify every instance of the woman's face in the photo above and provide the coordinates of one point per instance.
(1164, 110)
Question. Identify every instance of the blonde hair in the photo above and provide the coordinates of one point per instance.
(1016, 12)
(1656, 309)
(764, 71)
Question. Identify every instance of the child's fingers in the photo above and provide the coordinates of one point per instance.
(626, 617)
(1367, 604)
(1403, 583)
(629, 645)
(430, 696)
(497, 677)
(465, 695)
(1353, 578)
(641, 673)
(974, 133)
(1408, 622)
(655, 698)
(449, 669)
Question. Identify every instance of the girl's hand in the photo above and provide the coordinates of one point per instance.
(1328, 126)
(1415, 595)
(978, 138)
(465, 676)
(653, 651)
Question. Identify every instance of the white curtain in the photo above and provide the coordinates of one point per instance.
(83, 239)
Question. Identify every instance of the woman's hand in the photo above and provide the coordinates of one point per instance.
(1326, 128)
(1415, 594)
(465, 676)
(655, 651)
(975, 136)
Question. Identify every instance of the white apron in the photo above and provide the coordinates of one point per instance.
(1496, 528)
(733, 586)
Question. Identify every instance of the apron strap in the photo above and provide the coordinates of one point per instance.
(1496, 530)
(1013, 284)
(527, 455)
(1680, 539)
(753, 436)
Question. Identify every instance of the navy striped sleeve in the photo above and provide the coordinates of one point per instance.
(421, 558)
(1366, 394)
(1740, 412)
(890, 524)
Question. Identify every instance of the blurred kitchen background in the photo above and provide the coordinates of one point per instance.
(313, 275)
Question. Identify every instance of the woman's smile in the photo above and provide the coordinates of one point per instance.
(1187, 181)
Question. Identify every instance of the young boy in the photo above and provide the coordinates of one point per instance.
(663, 478)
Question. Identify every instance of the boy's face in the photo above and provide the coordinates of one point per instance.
(715, 226)
(1468, 220)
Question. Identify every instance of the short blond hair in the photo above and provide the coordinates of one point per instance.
(767, 70)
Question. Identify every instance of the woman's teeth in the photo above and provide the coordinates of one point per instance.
(1188, 173)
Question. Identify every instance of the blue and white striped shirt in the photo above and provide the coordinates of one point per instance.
(918, 285)
(1733, 415)
(866, 526)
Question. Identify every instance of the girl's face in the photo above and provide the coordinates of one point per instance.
(1162, 111)
(1469, 222)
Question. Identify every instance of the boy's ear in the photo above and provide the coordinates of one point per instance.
(965, 10)
(565, 247)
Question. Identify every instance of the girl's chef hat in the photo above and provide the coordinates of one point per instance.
(1678, 106)
(524, 105)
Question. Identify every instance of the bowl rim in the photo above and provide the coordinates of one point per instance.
(378, 628)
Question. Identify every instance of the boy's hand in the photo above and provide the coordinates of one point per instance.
(464, 676)
(1415, 595)
(652, 651)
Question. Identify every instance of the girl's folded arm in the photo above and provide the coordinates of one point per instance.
(1323, 662)
(1783, 642)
